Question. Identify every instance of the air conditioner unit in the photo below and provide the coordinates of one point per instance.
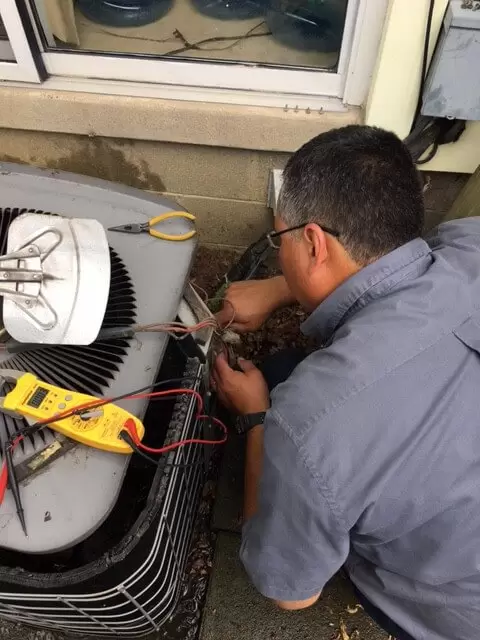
(108, 534)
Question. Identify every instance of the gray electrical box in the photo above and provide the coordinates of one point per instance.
(452, 88)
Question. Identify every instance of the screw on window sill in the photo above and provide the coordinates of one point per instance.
(474, 5)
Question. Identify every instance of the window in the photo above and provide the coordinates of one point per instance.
(269, 48)
(16, 57)
(286, 33)
(6, 51)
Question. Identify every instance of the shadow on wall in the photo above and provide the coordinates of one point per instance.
(96, 158)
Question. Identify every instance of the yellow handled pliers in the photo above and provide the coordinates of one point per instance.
(147, 227)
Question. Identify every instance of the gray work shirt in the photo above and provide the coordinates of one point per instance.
(372, 446)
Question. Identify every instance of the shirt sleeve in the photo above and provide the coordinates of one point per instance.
(294, 544)
(463, 233)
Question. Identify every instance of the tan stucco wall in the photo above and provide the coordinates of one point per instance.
(140, 118)
(214, 159)
(226, 188)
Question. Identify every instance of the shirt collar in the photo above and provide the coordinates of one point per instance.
(372, 282)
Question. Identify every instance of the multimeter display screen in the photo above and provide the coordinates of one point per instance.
(37, 397)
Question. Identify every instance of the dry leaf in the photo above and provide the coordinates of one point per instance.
(355, 609)
(343, 631)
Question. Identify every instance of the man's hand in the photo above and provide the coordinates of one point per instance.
(242, 391)
(250, 303)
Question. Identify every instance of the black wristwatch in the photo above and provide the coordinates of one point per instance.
(243, 424)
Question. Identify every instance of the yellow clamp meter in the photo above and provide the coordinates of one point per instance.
(99, 427)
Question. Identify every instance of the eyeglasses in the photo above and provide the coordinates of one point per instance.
(273, 235)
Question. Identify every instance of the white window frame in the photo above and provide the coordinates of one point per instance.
(208, 81)
(237, 82)
(366, 42)
(23, 68)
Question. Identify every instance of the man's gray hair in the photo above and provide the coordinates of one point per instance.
(360, 181)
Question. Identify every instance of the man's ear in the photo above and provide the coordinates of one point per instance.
(317, 245)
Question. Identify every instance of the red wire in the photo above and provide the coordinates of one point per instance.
(101, 401)
(4, 471)
(130, 426)
(159, 394)
(3, 481)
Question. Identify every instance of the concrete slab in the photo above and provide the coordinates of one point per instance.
(235, 611)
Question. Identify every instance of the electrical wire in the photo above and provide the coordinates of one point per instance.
(129, 430)
(426, 46)
(199, 290)
(125, 435)
(197, 46)
(177, 330)
(424, 131)
(8, 450)
(232, 319)
(177, 327)
(95, 404)
(140, 394)
(188, 46)
(130, 427)
(172, 38)
(430, 155)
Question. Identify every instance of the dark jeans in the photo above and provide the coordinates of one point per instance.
(276, 369)
(380, 618)
(279, 366)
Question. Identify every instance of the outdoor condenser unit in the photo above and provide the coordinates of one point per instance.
(108, 534)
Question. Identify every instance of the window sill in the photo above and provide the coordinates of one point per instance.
(89, 112)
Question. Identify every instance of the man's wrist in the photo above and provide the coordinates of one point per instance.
(254, 431)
